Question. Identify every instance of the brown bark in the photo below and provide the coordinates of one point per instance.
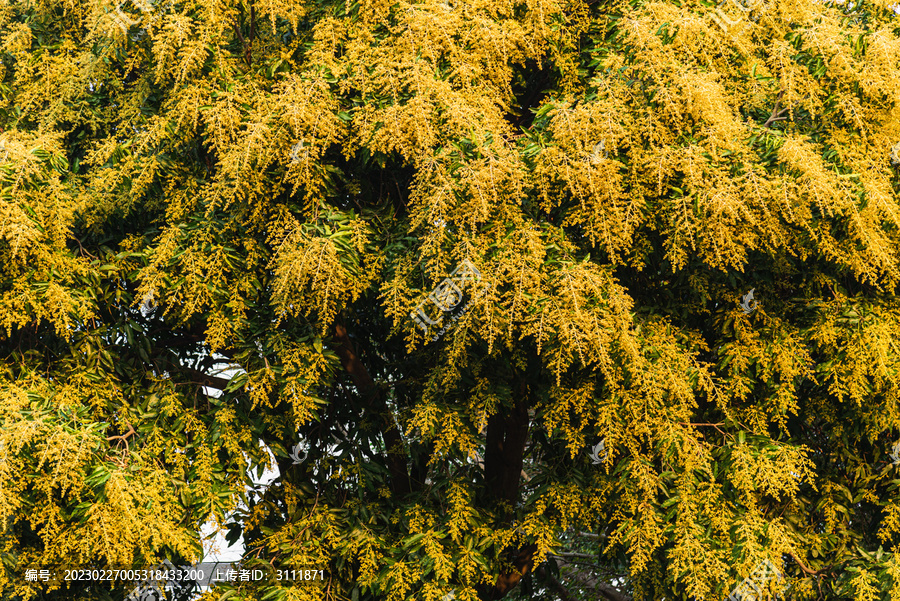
(375, 402)
(505, 451)
(419, 471)
(507, 434)
(522, 564)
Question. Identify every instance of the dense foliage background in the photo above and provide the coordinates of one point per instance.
(221, 221)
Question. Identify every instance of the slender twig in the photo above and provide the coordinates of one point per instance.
(716, 426)
(817, 573)
(826, 570)
(84, 253)
(607, 591)
(561, 590)
(803, 565)
(124, 437)
(240, 35)
(777, 112)
(246, 46)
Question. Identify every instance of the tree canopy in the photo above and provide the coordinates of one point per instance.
(554, 298)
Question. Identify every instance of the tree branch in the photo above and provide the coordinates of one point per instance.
(608, 591)
(612, 593)
(248, 58)
(206, 379)
(396, 454)
(829, 570)
(124, 437)
(197, 376)
(556, 585)
(522, 564)
(803, 566)
(777, 113)
(716, 426)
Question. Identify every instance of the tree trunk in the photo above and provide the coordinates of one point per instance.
(504, 453)
(507, 434)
